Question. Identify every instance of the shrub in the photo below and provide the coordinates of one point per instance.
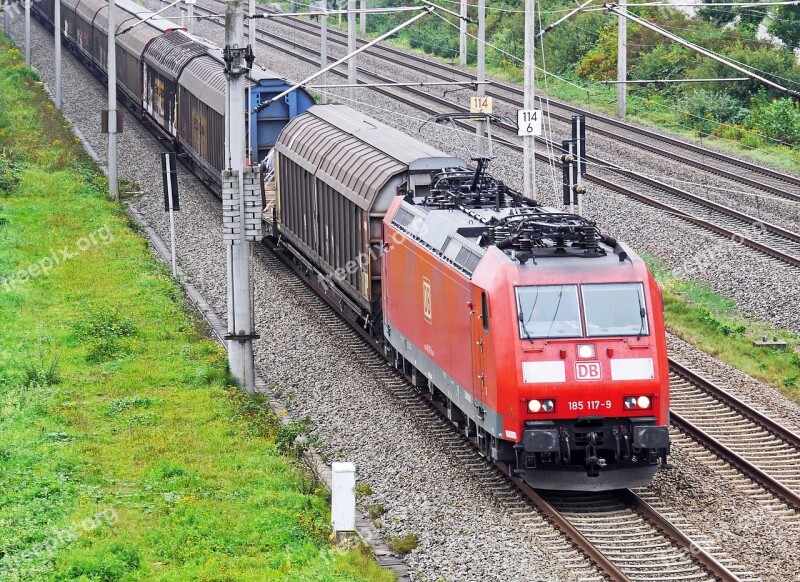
(779, 120)
(704, 110)
(9, 174)
(401, 545)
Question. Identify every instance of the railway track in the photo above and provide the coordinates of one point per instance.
(744, 172)
(771, 240)
(654, 546)
(759, 447)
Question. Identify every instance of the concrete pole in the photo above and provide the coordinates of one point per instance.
(363, 19)
(622, 64)
(190, 14)
(252, 146)
(462, 35)
(323, 51)
(240, 316)
(481, 73)
(351, 48)
(28, 32)
(57, 31)
(529, 141)
(113, 182)
(6, 17)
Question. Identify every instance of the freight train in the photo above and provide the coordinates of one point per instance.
(173, 81)
(544, 339)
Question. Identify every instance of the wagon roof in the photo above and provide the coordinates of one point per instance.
(205, 78)
(353, 153)
(170, 53)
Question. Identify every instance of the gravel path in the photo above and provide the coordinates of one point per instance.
(462, 536)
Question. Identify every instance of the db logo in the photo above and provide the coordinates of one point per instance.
(587, 371)
(427, 299)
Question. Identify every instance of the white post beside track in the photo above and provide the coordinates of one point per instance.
(6, 16)
(363, 19)
(113, 182)
(57, 32)
(343, 498)
(462, 35)
(28, 32)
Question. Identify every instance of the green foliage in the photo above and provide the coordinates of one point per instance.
(779, 120)
(9, 174)
(705, 110)
(402, 544)
(288, 441)
(363, 489)
(41, 368)
(108, 562)
(101, 330)
(786, 25)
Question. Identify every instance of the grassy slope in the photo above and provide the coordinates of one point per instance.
(135, 459)
(713, 323)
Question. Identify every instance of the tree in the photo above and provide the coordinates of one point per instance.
(786, 25)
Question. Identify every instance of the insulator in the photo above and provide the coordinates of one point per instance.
(501, 232)
(506, 243)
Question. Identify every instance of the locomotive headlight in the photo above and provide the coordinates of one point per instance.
(643, 402)
(548, 406)
(534, 406)
(586, 351)
(630, 402)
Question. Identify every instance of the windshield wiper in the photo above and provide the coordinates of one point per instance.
(642, 314)
(524, 326)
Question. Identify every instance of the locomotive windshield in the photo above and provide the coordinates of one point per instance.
(552, 311)
(614, 309)
(546, 311)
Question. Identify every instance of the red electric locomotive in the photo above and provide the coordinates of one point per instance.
(544, 339)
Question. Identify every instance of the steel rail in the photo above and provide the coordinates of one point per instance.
(649, 513)
(745, 410)
(769, 483)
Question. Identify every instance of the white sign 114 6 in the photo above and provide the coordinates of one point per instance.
(529, 122)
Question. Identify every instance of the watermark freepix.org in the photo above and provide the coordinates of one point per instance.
(43, 266)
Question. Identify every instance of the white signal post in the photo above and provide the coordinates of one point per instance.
(113, 182)
(28, 32)
(534, 118)
(57, 32)
(363, 18)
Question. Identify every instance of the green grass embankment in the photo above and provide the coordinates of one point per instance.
(126, 453)
(713, 323)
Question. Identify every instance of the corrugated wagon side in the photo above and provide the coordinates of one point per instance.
(337, 172)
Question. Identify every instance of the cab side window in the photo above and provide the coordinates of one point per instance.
(485, 312)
